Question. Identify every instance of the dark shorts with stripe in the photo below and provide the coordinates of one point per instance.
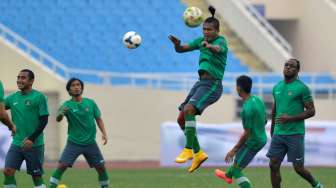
(203, 93)
(292, 145)
(91, 153)
(244, 156)
(34, 159)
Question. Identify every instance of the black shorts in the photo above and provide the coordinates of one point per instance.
(34, 159)
(203, 93)
(91, 153)
(292, 145)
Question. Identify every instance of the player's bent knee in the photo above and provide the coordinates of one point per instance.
(181, 120)
(274, 165)
(9, 172)
(62, 166)
(100, 168)
(189, 109)
(298, 168)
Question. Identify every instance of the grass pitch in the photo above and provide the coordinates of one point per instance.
(179, 178)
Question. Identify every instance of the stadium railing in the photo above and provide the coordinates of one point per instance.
(263, 82)
(269, 28)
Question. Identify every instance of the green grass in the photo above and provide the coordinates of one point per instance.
(178, 178)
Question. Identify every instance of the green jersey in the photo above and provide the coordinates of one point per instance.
(2, 93)
(213, 63)
(289, 99)
(26, 110)
(81, 119)
(253, 116)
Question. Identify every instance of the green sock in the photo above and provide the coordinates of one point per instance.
(190, 131)
(38, 181)
(56, 178)
(196, 146)
(103, 179)
(9, 180)
(245, 184)
(242, 181)
(316, 184)
(229, 172)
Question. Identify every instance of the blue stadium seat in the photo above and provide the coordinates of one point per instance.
(88, 34)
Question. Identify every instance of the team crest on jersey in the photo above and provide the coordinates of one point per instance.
(28, 103)
(87, 109)
(290, 93)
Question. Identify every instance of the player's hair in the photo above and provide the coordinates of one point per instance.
(297, 62)
(68, 85)
(31, 75)
(245, 83)
(212, 19)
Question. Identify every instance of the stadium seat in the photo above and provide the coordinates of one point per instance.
(88, 34)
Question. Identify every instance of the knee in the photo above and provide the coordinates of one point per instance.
(181, 120)
(8, 172)
(298, 168)
(62, 166)
(100, 169)
(189, 109)
(274, 165)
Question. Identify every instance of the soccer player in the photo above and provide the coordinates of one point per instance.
(252, 140)
(29, 110)
(293, 104)
(4, 118)
(206, 91)
(81, 114)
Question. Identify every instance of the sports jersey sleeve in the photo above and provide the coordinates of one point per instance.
(96, 111)
(7, 102)
(222, 44)
(1, 93)
(60, 109)
(247, 118)
(195, 44)
(306, 95)
(43, 106)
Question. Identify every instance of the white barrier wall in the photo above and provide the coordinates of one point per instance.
(218, 139)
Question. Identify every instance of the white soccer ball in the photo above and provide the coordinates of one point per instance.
(193, 16)
(132, 39)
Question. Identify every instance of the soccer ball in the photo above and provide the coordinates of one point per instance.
(62, 186)
(132, 39)
(192, 16)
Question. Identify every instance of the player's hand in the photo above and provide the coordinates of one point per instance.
(64, 111)
(104, 138)
(229, 156)
(283, 119)
(205, 44)
(174, 40)
(13, 130)
(27, 144)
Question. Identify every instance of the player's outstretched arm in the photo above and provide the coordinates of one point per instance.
(101, 127)
(61, 114)
(177, 44)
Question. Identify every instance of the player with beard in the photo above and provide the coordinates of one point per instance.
(29, 110)
(293, 104)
